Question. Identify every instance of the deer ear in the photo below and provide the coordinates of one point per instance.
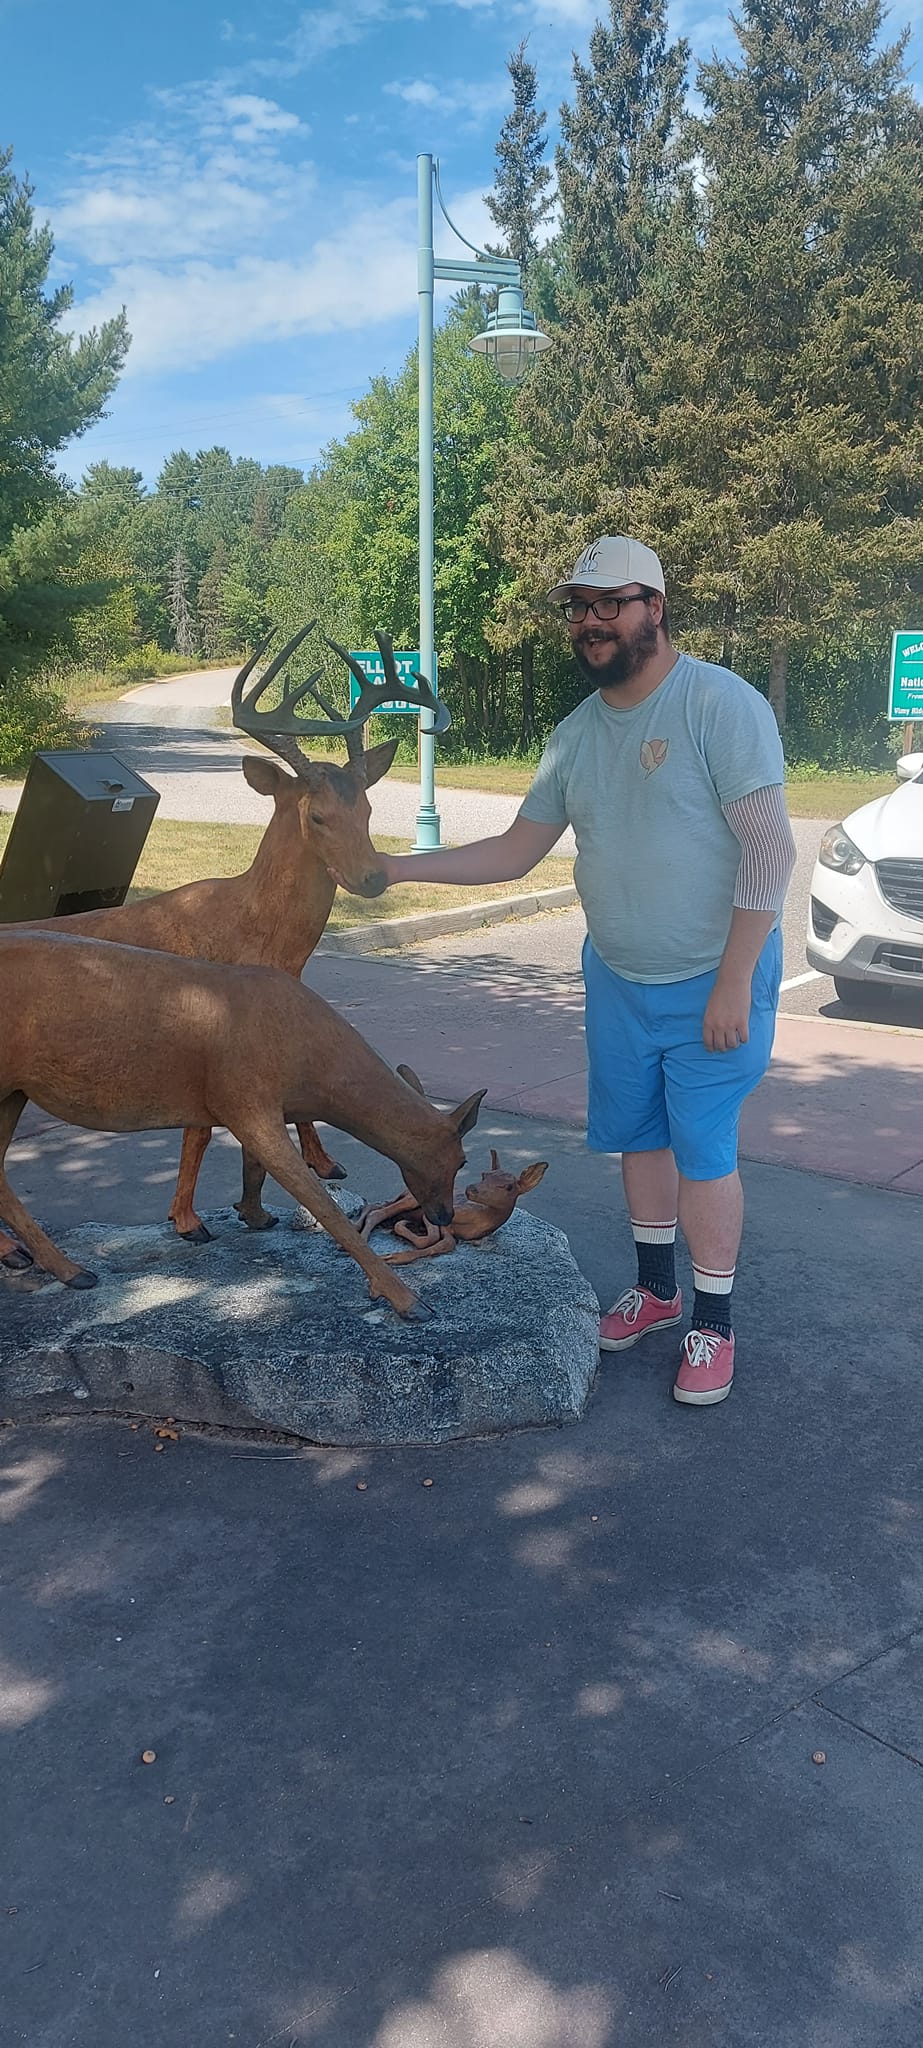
(407, 1074)
(265, 776)
(466, 1115)
(531, 1175)
(377, 761)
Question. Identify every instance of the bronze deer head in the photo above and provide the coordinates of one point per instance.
(333, 805)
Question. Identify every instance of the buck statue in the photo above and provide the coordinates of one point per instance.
(274, 914)
(119, 1039)
(488, 1203)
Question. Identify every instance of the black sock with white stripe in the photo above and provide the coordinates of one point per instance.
(711, 1307)
(656, 1248)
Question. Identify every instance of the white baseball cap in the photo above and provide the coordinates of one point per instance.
(610, 562)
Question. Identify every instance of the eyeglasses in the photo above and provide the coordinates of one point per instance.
(605, 607)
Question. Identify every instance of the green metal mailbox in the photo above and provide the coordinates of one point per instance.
(76, 838)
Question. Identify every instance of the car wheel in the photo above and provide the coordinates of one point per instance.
(863, 998)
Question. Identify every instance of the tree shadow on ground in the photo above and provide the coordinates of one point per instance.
(171, 751)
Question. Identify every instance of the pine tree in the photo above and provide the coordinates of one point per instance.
(800, 367)
(520, 200)
(626, 231)
(623, 149)
(52, 387)
(178, 600)
(210, 602)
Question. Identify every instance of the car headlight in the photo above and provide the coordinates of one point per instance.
(838, 851)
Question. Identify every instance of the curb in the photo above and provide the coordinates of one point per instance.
(389, 934)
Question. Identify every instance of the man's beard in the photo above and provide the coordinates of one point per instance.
(627, 657)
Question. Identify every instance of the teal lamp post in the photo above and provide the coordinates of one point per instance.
(510, 341)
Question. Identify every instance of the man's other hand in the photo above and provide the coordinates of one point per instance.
(726, 1023)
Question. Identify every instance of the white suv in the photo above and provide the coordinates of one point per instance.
(865, 922)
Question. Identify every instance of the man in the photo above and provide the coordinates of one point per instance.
(671, 774)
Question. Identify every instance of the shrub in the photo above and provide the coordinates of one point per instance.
(33, 715)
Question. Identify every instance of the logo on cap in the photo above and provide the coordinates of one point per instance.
(589, 557)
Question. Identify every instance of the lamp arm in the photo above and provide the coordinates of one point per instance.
(447, 216)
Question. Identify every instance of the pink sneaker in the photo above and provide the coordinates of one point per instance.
(706, 1372)
(634, 1315)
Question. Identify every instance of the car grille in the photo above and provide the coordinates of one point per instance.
(901, 884)
(900, 959)
(822, 919)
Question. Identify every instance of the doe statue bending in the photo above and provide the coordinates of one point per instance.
(119, 1039)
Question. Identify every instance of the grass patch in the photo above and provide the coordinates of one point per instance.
(809, 795)
(175, 852)
(810, 792)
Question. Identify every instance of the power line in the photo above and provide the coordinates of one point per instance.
(240, 417)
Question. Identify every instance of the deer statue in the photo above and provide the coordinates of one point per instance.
(488, 1203)
(116, 1038)
(274, 914)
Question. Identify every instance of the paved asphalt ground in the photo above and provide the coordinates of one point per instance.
(609, 1737)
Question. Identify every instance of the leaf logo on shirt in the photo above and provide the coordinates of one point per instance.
(653, 754)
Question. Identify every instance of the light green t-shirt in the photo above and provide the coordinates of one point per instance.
(643, 789)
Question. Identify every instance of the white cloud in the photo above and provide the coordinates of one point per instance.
(254, 116)
(213, 169)
(477, 99)
(577, 13)
(184, 316)
(323, 29)
(229, 33)
(418, 93)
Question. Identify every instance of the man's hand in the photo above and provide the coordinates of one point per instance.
(726, 1023)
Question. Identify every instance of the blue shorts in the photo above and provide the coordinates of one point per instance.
(654, 1085)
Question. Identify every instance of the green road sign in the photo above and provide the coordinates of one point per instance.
(407, 666)
(905, 697)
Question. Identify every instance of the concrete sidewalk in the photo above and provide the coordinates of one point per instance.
(524, 1757)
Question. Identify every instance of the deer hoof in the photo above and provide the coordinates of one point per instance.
(262, 1220)
(82, 1278)
(198, 1235)
(334, 1172)
(16, 1261)
(418, 1313)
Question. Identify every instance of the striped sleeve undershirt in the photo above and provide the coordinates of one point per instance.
(760, 823)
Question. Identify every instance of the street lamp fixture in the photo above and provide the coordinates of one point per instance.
(510, 341)
(512, 338)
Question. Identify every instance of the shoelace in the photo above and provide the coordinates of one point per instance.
(628, 1305)
(700, 1347)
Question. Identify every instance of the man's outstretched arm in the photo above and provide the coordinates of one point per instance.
(502, 859)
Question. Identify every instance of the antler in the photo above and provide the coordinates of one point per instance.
(280, 728)
(373, 695)
(275, 729)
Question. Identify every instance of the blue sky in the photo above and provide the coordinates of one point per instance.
(243, 179)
